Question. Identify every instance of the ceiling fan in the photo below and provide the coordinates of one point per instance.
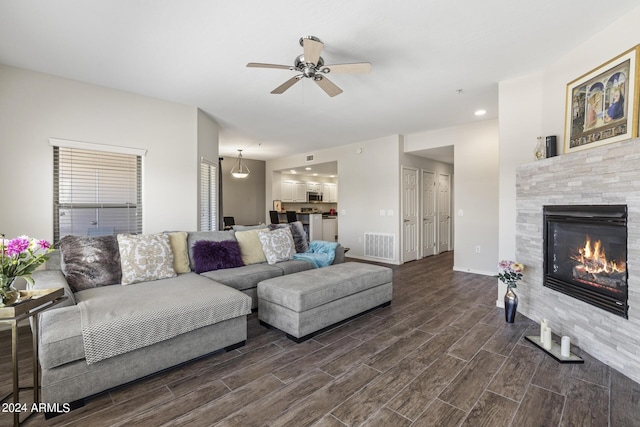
(311, 65)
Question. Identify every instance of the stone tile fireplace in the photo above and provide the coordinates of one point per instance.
(607, 177)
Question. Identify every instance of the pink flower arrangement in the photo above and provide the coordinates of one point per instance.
(510, 273)
(20, 257)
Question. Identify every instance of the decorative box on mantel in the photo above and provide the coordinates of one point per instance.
(605, 175)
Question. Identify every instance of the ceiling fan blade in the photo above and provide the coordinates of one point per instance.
(260, 65)
(328, 86)
(359, 67)
(286, 85)
(312, 49)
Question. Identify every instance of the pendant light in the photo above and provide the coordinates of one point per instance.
(240, 170)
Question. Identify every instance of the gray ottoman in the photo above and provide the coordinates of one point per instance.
(305, 303)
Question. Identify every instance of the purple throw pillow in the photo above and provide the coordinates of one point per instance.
(209, 255)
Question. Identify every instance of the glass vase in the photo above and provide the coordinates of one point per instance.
(8, 294)
(510, 305)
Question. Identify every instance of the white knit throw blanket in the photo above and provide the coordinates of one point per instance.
(117, 319)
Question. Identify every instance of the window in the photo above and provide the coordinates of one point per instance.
(95, 192)
(208, 191)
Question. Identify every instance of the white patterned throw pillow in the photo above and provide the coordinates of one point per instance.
(277, 245)
(145, 257)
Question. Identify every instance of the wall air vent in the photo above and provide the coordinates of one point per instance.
(309, 158)
(379, 245)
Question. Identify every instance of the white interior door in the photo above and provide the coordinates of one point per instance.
(429, 213)
(409, 214)
(444, 213)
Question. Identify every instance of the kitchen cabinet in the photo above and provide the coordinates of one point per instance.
(315, 187)
(294, 191)
(300, 192)
(287, 191)
(330, 192)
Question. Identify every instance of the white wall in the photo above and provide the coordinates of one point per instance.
(518, 139)
(475, 189)
(35, 107)
(533, 105)
(208, 130)
(207, 149)
(368, 181)
(612, 40)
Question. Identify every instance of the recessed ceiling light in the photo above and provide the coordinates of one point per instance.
(307, 168)
(315, 174)
(293, 171)
(480, 112)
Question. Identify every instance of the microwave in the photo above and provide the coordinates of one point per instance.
(314, 196)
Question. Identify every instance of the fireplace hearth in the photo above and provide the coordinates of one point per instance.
(585, 254)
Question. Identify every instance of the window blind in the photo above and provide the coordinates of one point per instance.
(96, 193)
(208, 191)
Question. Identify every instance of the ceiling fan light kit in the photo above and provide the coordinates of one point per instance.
(311, 65)
(240, 169)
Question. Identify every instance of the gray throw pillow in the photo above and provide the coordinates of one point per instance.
(89, 262)
(299, 237)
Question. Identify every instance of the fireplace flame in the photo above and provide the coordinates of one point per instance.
(593, 259)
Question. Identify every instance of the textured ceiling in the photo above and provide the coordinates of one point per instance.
(195, 52)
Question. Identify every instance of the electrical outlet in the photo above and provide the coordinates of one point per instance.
(477, 249)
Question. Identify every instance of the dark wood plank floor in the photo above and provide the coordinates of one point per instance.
(440, 355)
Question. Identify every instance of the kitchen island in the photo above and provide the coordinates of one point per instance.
(312, 223)
(330, 228)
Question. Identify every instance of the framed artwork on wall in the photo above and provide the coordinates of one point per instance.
(602, 105)
(277, 205)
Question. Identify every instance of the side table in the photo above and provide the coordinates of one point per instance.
(31, 303)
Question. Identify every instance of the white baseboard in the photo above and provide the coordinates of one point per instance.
(471, 270)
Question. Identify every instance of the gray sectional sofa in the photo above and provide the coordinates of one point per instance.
(246, 278)
(93, 341)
